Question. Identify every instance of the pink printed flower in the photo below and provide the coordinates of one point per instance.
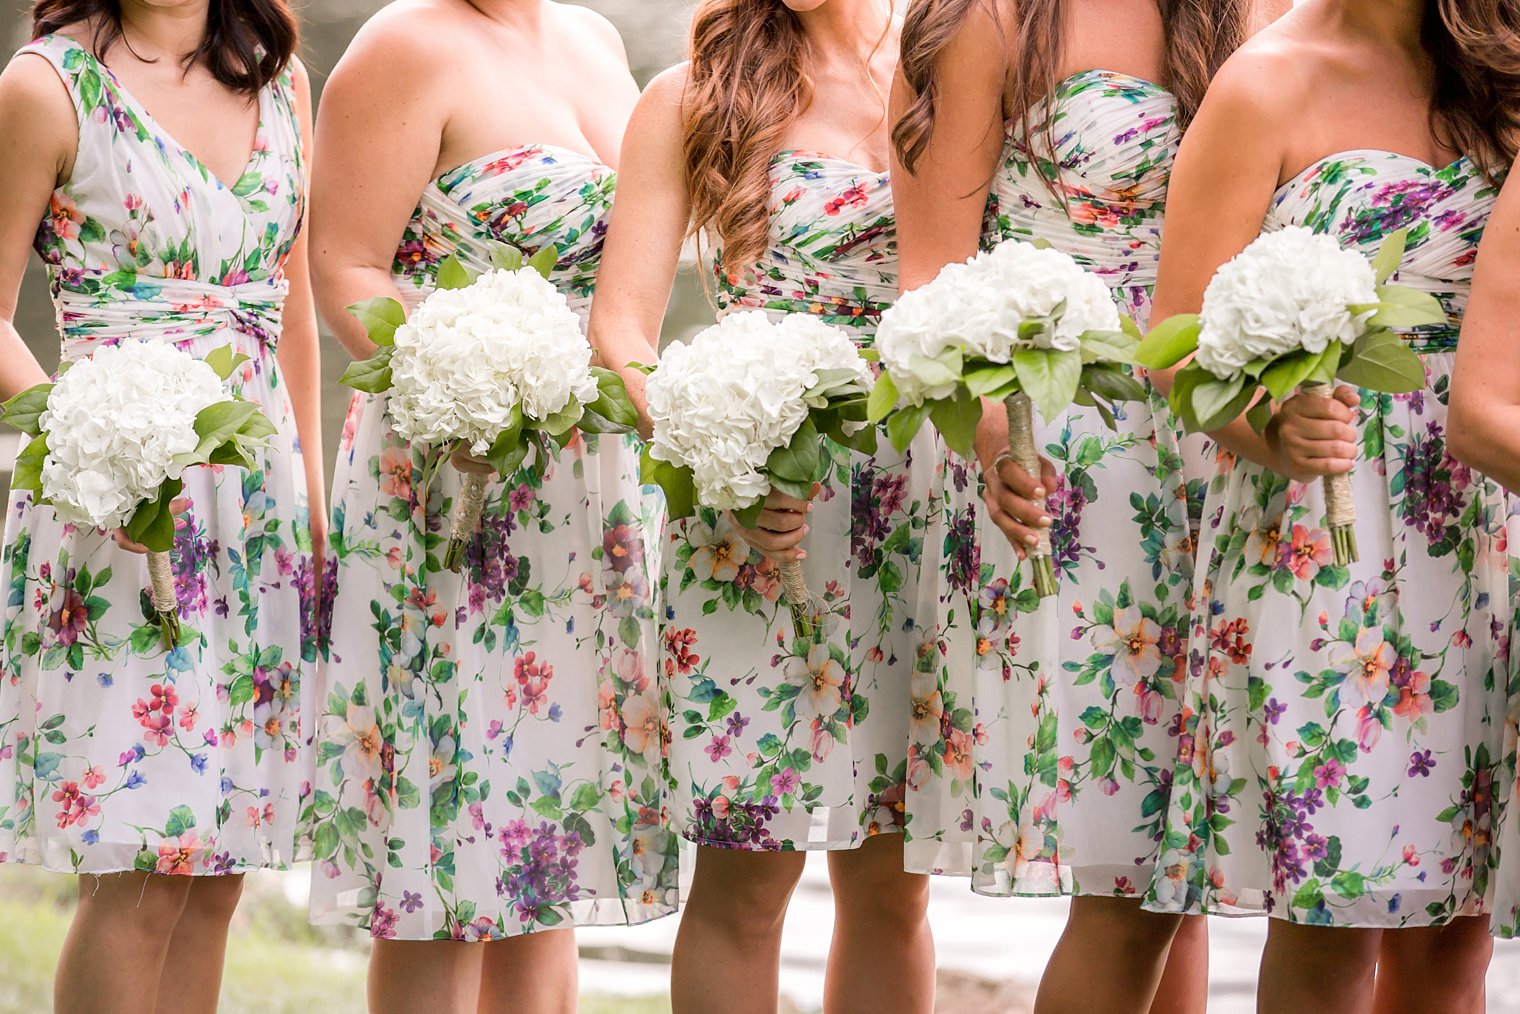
(178, 856)
(1309, 551)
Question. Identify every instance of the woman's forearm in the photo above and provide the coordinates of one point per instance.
(19, 369)
(338, 288)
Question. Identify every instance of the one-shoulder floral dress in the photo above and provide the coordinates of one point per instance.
(490, 749)
(1341, 727)
(115, 755)
(1042, 746)
(778, 744)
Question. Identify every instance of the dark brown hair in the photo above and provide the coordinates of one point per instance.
(746, 81)
(248, 43)
(1200, 36)
(1475, 107)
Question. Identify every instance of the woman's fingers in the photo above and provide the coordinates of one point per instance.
(781, 520)
(121, 539)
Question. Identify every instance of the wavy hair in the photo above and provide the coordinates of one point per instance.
(1200, 36)
(248, 43)
(746, 81)
(1475, 108)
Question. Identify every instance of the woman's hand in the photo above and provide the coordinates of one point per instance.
(464, 461)
(1015, 499)
(781, 527)
(121, 539)
(1311, 436)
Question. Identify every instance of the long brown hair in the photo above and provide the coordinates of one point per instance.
(1200, 36)
(1475, 105)
(746, 81)
(248, 43)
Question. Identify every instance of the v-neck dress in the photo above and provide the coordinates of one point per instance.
(115, 755)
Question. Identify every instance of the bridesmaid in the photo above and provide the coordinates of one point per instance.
(1337, 773)
(1042, 762)
(490, 747)
(770, 146)
(155, 161)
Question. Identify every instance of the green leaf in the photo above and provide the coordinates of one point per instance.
(452, 274)
(956, 419)
(545, 260)
(380, 317)
(1213, 398)
(932, 372)
(903, 426)
(1382, 362)
(1109, 347)
(372, 375)
(983, 380)
(1049, 377)
(1259, 414)
(800, 460)
(749, 517)
(504, 256)
(559, 423)
(1112, 384)
(1169, 342)
(216, 423)
(1390, 255)
(612, 401)
(883, 398)
(24, 411)
(1401, 306)
(152, 524)
(675, 480)
(645, 368)
(1284, 375)
(27, 473)
(224, 360)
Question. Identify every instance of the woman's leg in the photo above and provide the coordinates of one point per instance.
(1184, 987)
(1109, 958)
(880, 921)
(1434, 970)
(118, 942)
(1317, 968)
(198, 949)
(441, 976)
(537, 973)
(728, 949)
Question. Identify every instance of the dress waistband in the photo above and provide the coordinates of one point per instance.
(167, 309)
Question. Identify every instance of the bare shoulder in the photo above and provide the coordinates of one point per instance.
(590, 25)
(398, 32)
(32, 94)
(1265, 82)
(667, 90)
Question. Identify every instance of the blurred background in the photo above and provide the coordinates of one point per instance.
(991, 952)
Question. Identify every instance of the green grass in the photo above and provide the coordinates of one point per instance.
(276, 963)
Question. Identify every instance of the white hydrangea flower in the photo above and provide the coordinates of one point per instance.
(115, 422)
(467, 357)
(1289, 290)
(977, 306)
(724, 401)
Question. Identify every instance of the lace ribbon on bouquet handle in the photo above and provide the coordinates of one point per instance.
(466, 517)
(1340, 509)
(1021, 448)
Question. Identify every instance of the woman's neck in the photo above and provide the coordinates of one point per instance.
(524, 14)
(1393, 23)
(846, 31)
(171, 34)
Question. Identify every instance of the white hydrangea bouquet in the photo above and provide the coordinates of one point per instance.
(113, 435)
(742, 409)
(1022, 324)
(1294, 311)
(496, 363)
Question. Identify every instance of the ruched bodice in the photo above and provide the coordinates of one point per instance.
(1090, 175)
(527, 197)
(833, 249)
(1361, 197)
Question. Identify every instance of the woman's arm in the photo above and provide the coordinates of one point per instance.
(300, 353)
(380, 133)
(644, 237)
(940, 206)
(1221, 189)
(40, 128)
(1484, 425)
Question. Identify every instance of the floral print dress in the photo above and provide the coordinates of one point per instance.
(780, 744)
(115, 755)
(1042, 745)
(1341, 726)
(489, 755)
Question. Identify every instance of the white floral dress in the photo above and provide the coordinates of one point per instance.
(1042, 746)
(779, 744)
(1341, 727)
(115, 755)
(490, 749)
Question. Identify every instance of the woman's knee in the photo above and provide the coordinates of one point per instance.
(133, 902)
(213, 900)
(747, 891)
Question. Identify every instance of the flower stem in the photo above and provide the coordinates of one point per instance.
(1021, 446)
(466, 518)
(165, 601)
